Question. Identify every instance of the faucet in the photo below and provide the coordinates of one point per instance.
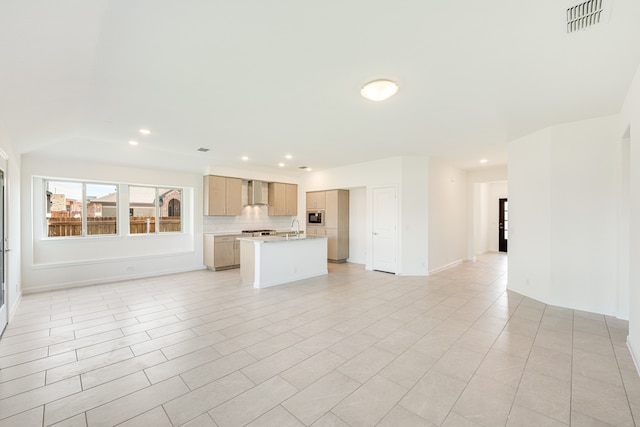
(297, 223)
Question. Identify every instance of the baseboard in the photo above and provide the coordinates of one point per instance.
(634, 356)
(14, 309)
(446, 267)
(113, 279)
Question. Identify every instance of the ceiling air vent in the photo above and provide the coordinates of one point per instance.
(586, 14)
(204, 150)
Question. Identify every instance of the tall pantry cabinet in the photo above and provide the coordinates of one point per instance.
(336, 222)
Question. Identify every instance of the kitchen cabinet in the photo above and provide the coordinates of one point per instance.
(221, 252)
(336, 221)
(283, 199)
(316, 200)
(222, 195)
(315, 231)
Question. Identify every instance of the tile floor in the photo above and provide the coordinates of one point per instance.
(354, 348)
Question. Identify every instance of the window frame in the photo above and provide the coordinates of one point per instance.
(84, 210)
(156, 208)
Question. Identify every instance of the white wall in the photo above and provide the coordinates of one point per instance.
(629, 127)
(406, 174)
(57, 263)
(563, 211)
(491, 225)
(478, 220)
(13, 285)
(357, 226)
(448, 215)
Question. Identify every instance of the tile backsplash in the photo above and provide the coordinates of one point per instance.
(254, 217)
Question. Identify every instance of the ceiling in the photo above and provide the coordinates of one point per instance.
(264, 79)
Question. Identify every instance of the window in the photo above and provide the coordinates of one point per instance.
(81, 208)
(149, 206)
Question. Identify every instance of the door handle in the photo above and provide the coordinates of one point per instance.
(375, 234)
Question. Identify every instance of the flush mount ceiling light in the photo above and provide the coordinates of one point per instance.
(379, 90)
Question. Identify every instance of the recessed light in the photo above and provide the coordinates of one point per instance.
(288, 156)
(281, 164)
(483, 161)
(145, 131)
(133, 142)
(245, 158)
(379, 90)
(308, 169)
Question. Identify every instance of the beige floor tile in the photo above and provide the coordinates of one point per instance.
(310, 370)
(86, 365)
(273, 345)
(19, 358)
(21, 402)
(203, 420)
(433, 396)
(32, 417)
(369, 403)
(78, 403)
(459, 363)
(545, 395)
(109, 346)
(159, 343)
(155, 417)
(519, 345)
(399, 416)
(201, 400)
(354, 344)
(22, 384)
(408, 368)
(179, 365)
(319, 342)
(117, 370)
(217, 369)
(28, 368)
(314, 401)
(505, 368)
(277, 417)
(134, 404)
(330, 420)
(188, 346)
(522, 417)
(549, 362)
(485, 402)
(455, 420)
(253, 403)
(557, 359)
(79, 420)
(582, 420)
(367, 364)
(268, 367)
(602, 401)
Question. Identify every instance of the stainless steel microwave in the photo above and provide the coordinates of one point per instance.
(315, 217)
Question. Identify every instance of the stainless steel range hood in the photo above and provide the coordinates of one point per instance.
(256, 192)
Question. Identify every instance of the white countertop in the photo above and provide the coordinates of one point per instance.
(239, 233)
(273, 239)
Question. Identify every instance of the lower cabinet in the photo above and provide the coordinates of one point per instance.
(221, 252)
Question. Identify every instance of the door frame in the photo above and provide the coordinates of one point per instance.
(396, 242)
(4, 307)
(502, 241)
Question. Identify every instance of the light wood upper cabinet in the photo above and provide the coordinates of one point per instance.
(316, 200)
(222, 195)
(283, 199)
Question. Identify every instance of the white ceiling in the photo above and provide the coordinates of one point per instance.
(78, 78)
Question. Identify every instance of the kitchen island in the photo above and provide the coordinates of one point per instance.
(274, 260)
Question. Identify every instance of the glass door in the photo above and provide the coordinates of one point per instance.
(503, 232)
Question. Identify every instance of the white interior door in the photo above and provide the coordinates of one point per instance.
(385, 229)
(3, 293)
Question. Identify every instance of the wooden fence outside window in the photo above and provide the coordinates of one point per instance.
(62, 227)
